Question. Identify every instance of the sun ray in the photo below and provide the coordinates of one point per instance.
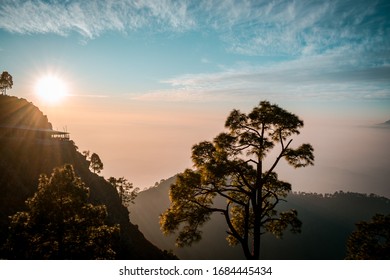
(51, 89)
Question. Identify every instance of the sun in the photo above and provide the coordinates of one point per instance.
(51, 89)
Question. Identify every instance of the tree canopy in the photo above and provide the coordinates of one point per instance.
(370, 240)
(5, 82)
(126, 191)
(95, 163)
(237, 166)
(60, 223)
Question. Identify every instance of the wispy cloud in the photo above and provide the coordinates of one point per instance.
(328, 76)
(336, 48)
(251, 27)
(306, 27)
(88, 95)
(92, 18)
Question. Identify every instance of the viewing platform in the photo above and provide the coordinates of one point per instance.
(41, 134)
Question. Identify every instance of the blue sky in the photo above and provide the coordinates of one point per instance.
(177, 60)
(316, 50)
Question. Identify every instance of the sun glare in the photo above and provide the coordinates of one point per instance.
(51, 89)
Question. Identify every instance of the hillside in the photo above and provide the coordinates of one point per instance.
(19, 112)
(327, 222)
(24, 158)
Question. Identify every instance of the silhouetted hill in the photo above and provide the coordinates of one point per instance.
(384, 125)
(19, 112)
(23, 159)
(328, 220)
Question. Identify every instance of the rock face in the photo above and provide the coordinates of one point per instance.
(23, 159)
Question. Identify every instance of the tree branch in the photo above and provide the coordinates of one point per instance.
(244, 180)
(231, 199)
(277, 160)
(211, 209)
(234, 232)
(252, 129)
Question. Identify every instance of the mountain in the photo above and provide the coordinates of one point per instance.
(385, 124)
(328, 220)
(28, 148)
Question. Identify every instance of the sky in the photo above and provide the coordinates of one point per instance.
(145, 80)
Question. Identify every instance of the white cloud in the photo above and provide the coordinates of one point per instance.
(331, 75)
(89, 95)
(165, 11)
(92, 18)
(301, 27)
(205, 60)
(246, 27)
(335, 47)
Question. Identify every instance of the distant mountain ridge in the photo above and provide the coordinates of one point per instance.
(23, 160)
(384, 124)
(328, 220)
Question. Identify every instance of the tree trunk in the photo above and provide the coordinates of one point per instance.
(257, 210)
(256, 231)
(247, 251)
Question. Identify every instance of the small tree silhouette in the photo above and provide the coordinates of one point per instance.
(125, 190)
(5, 82)
(96, 164)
